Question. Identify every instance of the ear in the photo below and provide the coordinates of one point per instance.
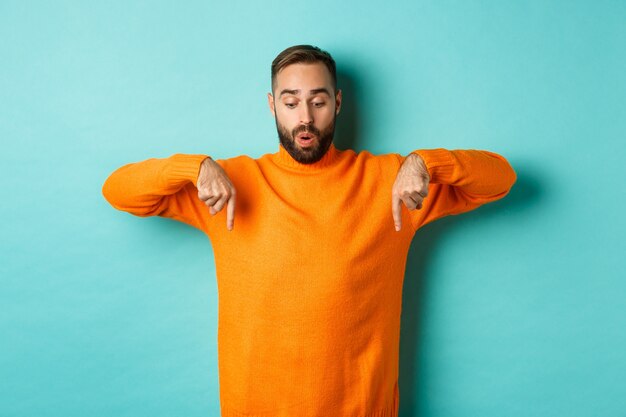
(338, 98)
(270, 102)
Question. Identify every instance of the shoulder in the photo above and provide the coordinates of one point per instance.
(387, 160)
(236, 161)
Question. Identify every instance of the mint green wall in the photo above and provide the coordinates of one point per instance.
(515, 309)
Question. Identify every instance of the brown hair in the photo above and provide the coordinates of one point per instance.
(307, 54)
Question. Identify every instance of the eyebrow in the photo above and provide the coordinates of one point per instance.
(312, 92)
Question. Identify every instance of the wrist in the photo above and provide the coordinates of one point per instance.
(204, 165)
(419, 164)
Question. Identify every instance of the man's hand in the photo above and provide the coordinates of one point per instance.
(410, 187)
(216, 190)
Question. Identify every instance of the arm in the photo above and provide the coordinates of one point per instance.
(167, 187)
(440, 182)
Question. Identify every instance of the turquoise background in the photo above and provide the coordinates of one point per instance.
(515, 309)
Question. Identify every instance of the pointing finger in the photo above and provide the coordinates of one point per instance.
(230, 212)
(396, 209)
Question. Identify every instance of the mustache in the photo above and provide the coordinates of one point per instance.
(306, 129)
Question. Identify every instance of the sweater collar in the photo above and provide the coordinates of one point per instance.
(282, 157)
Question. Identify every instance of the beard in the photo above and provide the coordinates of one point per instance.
(310, 154)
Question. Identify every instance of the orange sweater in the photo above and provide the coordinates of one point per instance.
(310, 278)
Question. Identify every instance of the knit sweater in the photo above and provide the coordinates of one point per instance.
(310, 278)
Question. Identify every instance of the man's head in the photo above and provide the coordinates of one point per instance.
(304, 101)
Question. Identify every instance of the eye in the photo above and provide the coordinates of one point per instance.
(290, 105)
(319, 104)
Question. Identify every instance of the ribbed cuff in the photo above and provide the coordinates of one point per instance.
(185, 166)
(439, 162)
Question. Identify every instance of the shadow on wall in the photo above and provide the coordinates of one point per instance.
(525, 192)
(347, 129)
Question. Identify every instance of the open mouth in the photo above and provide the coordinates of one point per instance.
(305, 139)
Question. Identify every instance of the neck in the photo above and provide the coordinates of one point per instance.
(285, 159)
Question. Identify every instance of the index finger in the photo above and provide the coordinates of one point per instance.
(230, 212)
(396, 209)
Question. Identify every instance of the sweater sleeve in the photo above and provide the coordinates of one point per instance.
(460, 181)
(159, 187)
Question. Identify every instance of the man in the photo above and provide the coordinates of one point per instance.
(310, 247)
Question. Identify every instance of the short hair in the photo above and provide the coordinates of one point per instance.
(307, 54)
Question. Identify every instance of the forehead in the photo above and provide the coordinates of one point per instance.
(304, 77)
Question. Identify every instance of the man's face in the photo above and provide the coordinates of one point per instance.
(305, 105)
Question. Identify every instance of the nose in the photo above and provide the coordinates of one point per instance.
(306, 116)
